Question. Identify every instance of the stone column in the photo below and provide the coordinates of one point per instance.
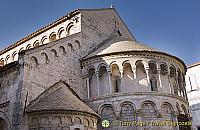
(147, 71)
(134, 73)
(176, 77)
(170, 84)
(109, 79)
(122, 81)
(159, 78)
(135, 78)
(97, 76)
(88, 87)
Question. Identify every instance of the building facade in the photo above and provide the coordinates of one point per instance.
(84, 68)
(193, 91)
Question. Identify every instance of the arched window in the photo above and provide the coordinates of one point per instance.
(56, 120)
(67, 120)
(152, 67)
(44, 40)
(86, 122)
(61, 32)
(21, 49)
(116, 79)
(52, 37)
(36, 43)
(167, 110)
(184, 109)
(77, 120)
(7, 59)
(28, 46)
(172, 71)
(103, 80)
(92, 83)
(128, 78)
(153, 83)
(69, 28)
(141, 75)
(14, 56)
(77, 129)
(3, 124)
(148, 110)
(163, 69)
(127, 112)
(108, 113)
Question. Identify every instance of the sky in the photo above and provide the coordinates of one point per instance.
(172, 26)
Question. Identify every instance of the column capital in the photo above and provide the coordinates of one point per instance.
(97, 72)
(159, 70)
(109, 70)
(147, 68)
(121, 72)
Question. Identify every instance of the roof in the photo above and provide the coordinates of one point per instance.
(115, 44)
(45, 28)
(194, 64)
(59, 97)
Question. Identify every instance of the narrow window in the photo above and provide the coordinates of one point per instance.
(117, 84)
(153, 83)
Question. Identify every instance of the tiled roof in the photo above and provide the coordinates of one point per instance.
(59, 97)
(45, 28)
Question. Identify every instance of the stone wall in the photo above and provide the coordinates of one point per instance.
(62, 121)
(10, 89)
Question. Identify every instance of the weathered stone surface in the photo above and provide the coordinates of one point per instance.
(107, 71)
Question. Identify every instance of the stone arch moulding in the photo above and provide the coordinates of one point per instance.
(14, 55)
(102, 65)
(149, 101)
(106, 105)
(52, 36)
(61, 32)
(5, 118)
(167, 103)
(62, 50)
(69, 26)
(78, 44)
(44, 40)
(127, 102)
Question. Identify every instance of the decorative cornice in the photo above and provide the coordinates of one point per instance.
(136, 94)
(45, 28)
(135, 53)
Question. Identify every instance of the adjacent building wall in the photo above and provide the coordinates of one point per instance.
(193, 91)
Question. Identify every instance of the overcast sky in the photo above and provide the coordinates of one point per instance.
(172, 26)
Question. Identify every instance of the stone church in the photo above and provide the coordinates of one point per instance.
(87, 67)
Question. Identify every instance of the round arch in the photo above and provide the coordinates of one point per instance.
(4, 118)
